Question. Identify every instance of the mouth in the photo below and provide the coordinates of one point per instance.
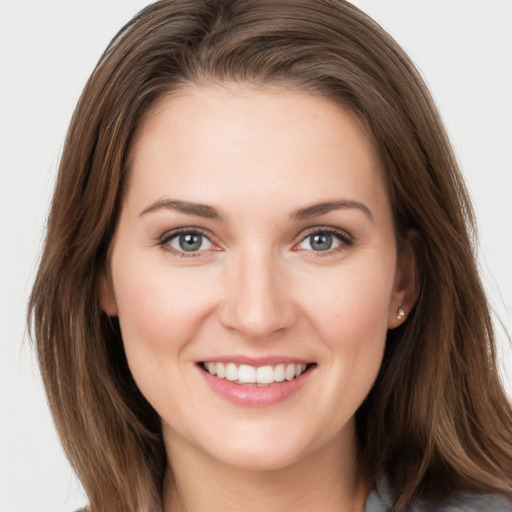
(260, 376)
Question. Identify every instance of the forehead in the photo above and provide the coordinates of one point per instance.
(252, 141)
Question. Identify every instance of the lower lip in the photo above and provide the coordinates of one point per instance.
(253, 395)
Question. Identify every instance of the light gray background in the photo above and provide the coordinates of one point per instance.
(47, 50)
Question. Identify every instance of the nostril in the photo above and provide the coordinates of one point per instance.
(257, 304)
(256, 321)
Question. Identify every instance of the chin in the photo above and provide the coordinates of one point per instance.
(262, 457)
(266, 445)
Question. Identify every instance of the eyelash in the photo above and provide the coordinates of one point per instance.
(167, 237)
(343, 236)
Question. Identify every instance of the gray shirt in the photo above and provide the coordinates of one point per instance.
(380, 500)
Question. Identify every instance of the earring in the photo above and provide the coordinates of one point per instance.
(400, 315)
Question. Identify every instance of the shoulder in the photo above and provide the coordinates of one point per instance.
(478, 503)
(380, 500)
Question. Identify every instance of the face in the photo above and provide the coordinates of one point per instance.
(254, 273)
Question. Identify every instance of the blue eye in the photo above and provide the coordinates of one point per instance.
(323, 241)
(188, 241)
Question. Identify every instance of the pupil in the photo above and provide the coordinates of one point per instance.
(190, 242)
(321, 242)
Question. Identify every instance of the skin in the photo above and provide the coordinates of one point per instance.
(257, 287)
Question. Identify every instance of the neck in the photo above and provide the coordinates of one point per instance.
(325, 480)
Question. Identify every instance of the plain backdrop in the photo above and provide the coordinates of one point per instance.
(47, 50)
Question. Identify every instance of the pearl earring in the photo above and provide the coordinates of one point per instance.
(400, 314)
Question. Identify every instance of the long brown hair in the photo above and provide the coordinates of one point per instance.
(437, 420)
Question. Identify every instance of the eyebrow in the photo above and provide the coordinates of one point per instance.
(318, 209)
(201, 210)
(209, 212)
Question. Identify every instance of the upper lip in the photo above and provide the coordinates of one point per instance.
(256, 361)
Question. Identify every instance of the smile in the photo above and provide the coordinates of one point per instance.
(244, 374)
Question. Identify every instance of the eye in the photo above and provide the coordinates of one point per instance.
(325, 240)
(319, 242)
(187, 242)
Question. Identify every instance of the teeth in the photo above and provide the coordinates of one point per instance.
(221, 370)
(231, 371)
(280, 372)
(246, 374)
(265, 375)
(290, 372)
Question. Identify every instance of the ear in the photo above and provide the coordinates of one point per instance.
(106, 292)
(406, 286)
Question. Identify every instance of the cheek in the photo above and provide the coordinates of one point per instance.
(350, 315)
(351, 307)
(160, 309)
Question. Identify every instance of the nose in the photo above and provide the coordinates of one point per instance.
(258, 302)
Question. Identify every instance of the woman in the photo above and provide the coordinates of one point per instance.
(258, 289)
